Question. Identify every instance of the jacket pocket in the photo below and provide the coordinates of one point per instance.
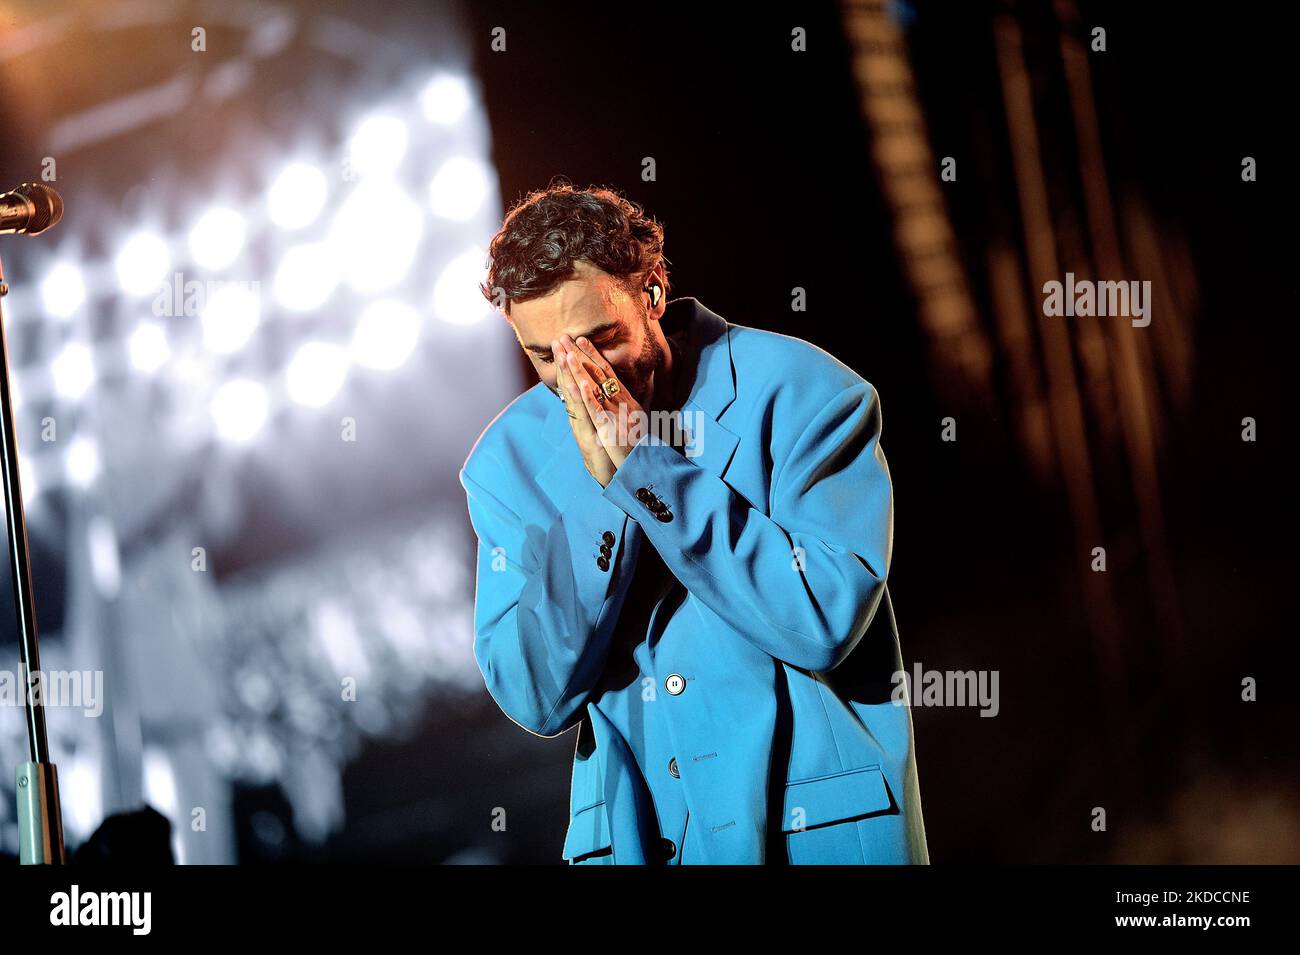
(823, 800)
(588, 834)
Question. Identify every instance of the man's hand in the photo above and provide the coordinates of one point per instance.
(587, 368)
(594, 455)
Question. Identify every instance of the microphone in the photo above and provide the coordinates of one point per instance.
(30, 209)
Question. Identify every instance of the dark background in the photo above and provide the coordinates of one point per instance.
(766, 181)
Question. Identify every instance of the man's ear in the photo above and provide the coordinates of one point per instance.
(656, 287)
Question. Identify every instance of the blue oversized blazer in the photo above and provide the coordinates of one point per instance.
(780, 527)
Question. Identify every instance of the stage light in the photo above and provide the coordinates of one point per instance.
(82, 462)
(239, 410)
(306, 277)
(230, 318)
(377, 147)
(377, 233)
(456, 298)
(63, 290)
(316, 373)
(148, 347)
(192, 372)
(159, 781)
(385, 335)
(32, 486)
(82, 796)
(297, 196)
(73, 370)
(459, 188)
(217, 237)
(335, 628)
(142, 263)
(105, 565)
(446, 99)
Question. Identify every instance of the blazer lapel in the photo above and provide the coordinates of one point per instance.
(708, 363)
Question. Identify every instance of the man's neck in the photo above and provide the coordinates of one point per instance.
(665, 379)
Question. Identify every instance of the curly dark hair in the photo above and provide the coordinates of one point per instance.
(545, 232)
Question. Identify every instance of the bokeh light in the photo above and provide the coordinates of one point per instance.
(385, 335)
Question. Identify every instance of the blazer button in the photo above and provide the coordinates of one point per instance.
(605, 550)
(602, 562)
(672, 768)
(675, 684)
(643, 495)
(655, 506)
(664, 515)
(668, 849)
(608, 538)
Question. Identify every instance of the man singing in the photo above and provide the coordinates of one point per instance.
(706, 602)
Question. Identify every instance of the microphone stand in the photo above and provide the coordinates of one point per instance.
(40, 820)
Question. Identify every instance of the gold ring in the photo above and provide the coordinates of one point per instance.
(610, 386)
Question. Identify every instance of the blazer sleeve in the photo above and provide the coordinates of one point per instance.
(537, 604)
(803, 581)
